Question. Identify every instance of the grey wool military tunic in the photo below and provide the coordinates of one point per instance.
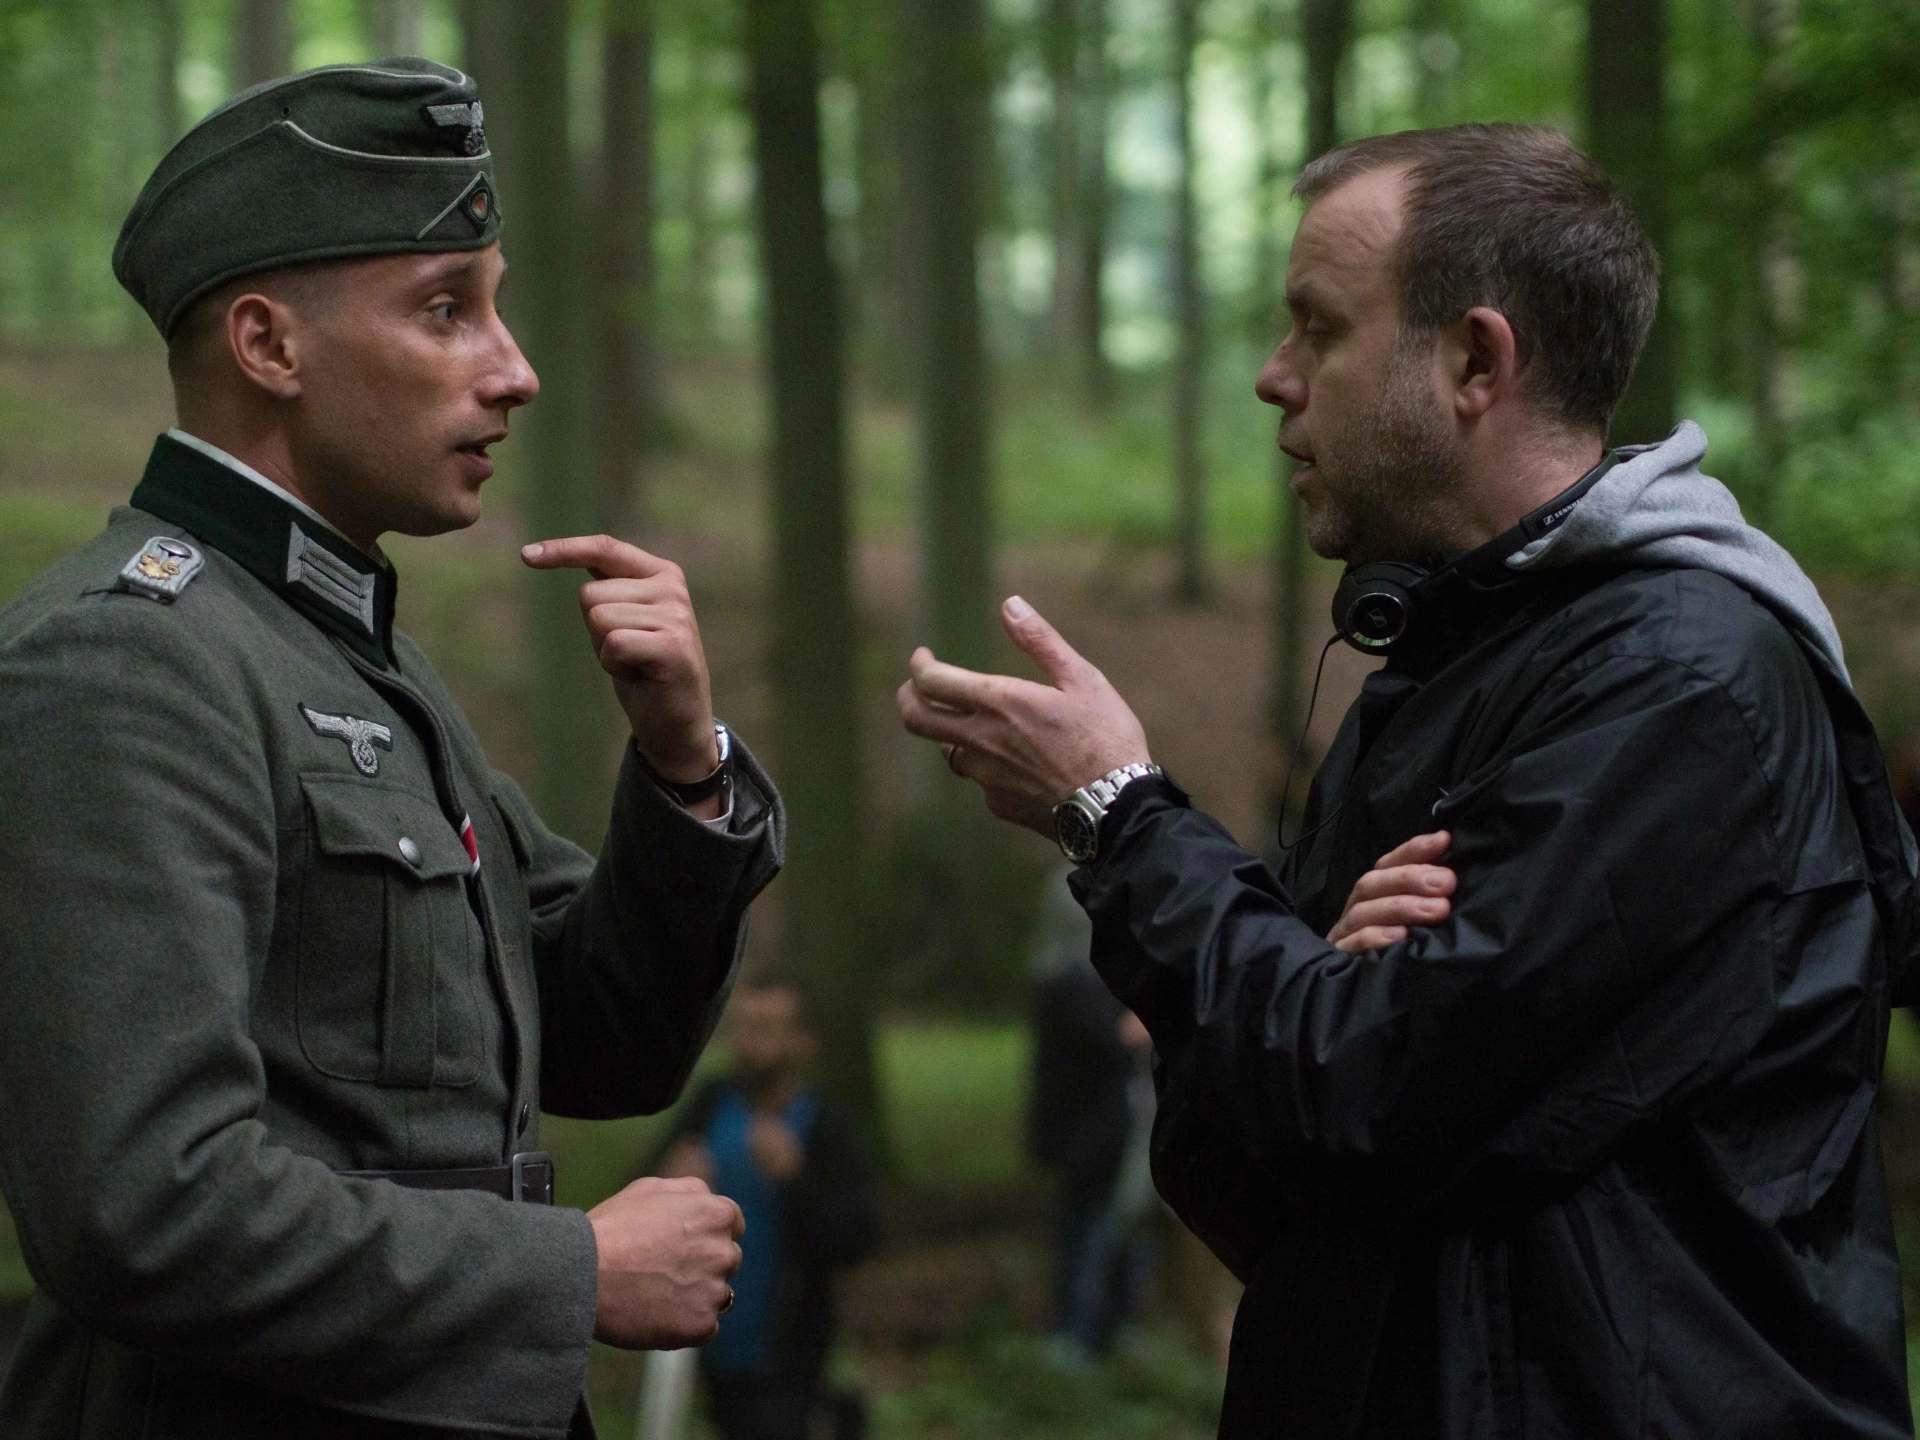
(270, 916)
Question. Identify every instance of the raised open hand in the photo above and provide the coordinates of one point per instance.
(1028, 745)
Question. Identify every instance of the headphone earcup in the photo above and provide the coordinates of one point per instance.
(1374, 604)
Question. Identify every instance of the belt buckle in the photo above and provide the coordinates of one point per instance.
(533, 1177)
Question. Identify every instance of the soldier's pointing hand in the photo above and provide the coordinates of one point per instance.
(640, 618)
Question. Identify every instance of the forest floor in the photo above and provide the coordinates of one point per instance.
(940, 1322)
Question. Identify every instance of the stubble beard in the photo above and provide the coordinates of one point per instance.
(1387, 481)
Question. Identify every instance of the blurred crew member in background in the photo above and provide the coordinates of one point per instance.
(1089, 1114)
(1571, 1137)
(794, 1164)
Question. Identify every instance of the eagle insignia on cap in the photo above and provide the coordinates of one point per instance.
(470, 116)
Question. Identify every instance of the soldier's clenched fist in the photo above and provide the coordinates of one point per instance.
(667, 1250)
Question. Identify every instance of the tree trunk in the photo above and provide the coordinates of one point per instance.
(1265, 322)
(1061, 35)
(1764, 257)
(1269, 323)
(1435, 53)
(945, 46)
(696, 194)
(625, 382)
(879, 310)
(262, 41)
(1091, 121)
(1627, 136)
(392, 27)
(1326, 32)
(570, 707)
(487, 54)
(166, 70)
(814, 645)
(1189, 474)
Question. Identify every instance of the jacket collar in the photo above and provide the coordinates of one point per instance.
(318, 572)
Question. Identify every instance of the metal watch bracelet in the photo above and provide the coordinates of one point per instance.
(1076, 820)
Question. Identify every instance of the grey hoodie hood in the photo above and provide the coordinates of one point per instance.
(1654, 508)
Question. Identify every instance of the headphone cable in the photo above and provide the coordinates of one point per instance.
(1286, 788)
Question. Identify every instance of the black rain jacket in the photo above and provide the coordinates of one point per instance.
(1596, 1156)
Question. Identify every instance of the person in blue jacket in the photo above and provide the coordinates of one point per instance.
(795, 1164)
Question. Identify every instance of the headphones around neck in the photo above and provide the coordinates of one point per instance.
(1375, 604)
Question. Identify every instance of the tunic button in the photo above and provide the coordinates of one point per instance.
(526, 1118)
(409, 851)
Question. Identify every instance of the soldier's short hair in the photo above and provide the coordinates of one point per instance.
(200, 332)
(1514, 217)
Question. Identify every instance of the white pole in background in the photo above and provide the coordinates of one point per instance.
(666, 1392)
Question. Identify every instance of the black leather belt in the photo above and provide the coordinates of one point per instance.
(528, 1178)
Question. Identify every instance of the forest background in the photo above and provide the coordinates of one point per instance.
(872, 311)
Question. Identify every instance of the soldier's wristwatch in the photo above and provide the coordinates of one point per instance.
(1076, 819)
(692, 792)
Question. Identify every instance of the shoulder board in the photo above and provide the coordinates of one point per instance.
(163, 568)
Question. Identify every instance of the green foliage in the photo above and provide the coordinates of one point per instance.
(953, 1097)
(1903, 1050)
(1851, 500)
(77, 137)
(38, 529)
(951, 896)
(1004, 1384)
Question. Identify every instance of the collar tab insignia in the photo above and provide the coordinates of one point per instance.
(312, 565)
(361, 736)
(162, 569)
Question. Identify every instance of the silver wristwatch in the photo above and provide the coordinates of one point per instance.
(1076, 819)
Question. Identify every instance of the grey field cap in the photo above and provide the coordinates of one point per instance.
(344, 160)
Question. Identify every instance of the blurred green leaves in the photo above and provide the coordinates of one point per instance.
(1004, 1384)
(38, 529)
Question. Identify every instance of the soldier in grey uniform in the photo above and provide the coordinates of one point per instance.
(289, 971)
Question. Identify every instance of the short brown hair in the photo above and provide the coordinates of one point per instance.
(200, 333)
(1515, 218)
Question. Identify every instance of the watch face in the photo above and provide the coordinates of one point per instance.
(1077, 832)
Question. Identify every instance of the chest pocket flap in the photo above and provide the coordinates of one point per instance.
(388, 940)
(352, 816)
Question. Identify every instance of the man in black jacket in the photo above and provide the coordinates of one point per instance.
(1585, 1147)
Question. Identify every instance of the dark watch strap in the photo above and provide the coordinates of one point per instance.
(692, 792)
